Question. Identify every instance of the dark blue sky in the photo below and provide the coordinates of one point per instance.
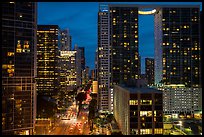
(81, 19)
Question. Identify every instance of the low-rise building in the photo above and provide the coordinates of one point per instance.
(178, 99)
(138, 111)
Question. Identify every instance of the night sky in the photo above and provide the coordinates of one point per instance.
(81, 20)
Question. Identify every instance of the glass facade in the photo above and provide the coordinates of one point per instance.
(18, 67)
(124, 44)
(47, 60)
(181, 46)
(146, 113)
(103, 58)
(149, 70)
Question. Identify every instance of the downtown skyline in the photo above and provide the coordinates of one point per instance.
(101, 68)
(81, 20)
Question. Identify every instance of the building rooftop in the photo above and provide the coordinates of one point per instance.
(156, 5)
(142, 89)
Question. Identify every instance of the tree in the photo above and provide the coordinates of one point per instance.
(80, 98)
(109, 117)
(92, 109)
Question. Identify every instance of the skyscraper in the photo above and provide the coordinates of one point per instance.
(68, 71)
(118, 57)
(103, 58)
(177, 33)
(82, 58)
(78, 64)
(123, 22)
(48, 44)
(149, 70)
(66, 40)
(19, 20)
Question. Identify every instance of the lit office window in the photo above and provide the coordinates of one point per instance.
(133, 102)
(146, 113)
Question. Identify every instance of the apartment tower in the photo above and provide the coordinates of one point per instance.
(19, 20)
(177, 45)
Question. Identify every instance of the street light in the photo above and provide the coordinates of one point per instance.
(180, 124)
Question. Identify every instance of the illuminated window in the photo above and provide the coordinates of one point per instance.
(146, 102)
(146, 113)
(133, 102)
(10, 53)
(158, 131)
(145, 131)
(18, 49)
(4, 66)
(10, 70)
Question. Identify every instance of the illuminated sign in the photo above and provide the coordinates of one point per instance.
(104, 10)
(147, 12)
(67, 53)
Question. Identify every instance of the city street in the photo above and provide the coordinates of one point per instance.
(70, 125)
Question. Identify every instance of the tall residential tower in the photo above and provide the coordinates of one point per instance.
(18, 48)
(177, 47)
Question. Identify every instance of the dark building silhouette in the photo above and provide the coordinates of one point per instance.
(149, 70)
(177, 33)
(82, 58)
(125, 62)
(18, 48)
(48, 43)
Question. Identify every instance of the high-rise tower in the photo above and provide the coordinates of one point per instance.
(48, 43)
(103, 58)
(178, 39)
(19, 20)
(124, 43)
